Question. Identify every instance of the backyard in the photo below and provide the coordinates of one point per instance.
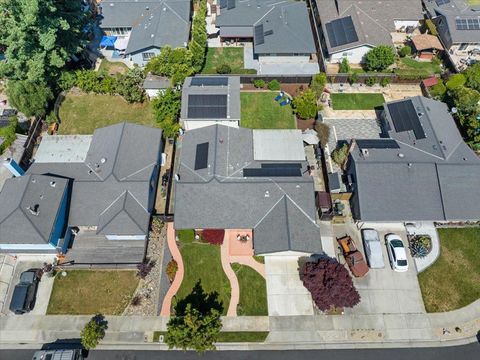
(409, 66)
(86, 292)
(232, 56)
(253, 292)
(113, 68)
(453, 280)
(259, 110)
(83, 113)
(356, 101)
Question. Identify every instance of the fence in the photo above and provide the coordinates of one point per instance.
(34, 131)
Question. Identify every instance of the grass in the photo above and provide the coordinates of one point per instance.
(83, 113)
(230, 336)
(259, 110)
(260, 259)
(410, 66)
(473, 2)
(202, 262)
(356, 101)
(453, 280)
(113, 68)
(233, 56)
(253, 292)
(89, 292)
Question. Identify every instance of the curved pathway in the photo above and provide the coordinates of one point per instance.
(250, 262)
(172, 245)
(232, 278)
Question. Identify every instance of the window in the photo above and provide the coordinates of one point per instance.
(147, 55)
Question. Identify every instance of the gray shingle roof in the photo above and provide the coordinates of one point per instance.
(156, 82)
(220, 197)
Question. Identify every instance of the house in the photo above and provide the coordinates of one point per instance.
(140, 29)
(111, 176)
(423, 172)
(280, 30)
(458, 26)
(155, 85)
(255, 180)
(351, 28)
(209, 100)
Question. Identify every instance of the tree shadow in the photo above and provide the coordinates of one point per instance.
(199, 300)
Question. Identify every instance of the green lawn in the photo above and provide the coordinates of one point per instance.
(113, 67)
(453, 281)
(83, 113)
(202, 262)
(473, 2)
(253, 292)
(89, 292)
(230, 336)
(356, 101)
(409, 66)
(232, 56)
(259, 110)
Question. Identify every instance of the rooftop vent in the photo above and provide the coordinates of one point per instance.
(267, 194)
(401, 155)
(103, 160)
(365, 152)
(53, 183)
(34, 210)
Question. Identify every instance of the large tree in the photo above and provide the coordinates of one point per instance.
(28, 97)
(472, 74)
(379, 58)
(40, 36)
(174, 63)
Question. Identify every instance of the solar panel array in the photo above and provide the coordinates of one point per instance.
(201, 156)
(467, 24)
(377, 144)
(341, 32)
(442, 2)
(231, 4)
(258, 35)
(405, 118)
(275, 170)
(207, 106)
(209, 81)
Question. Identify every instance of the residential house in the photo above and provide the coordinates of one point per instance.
(424, 171)
(458, 26)
(252, 180)
(209, 100)
(351, 28)
(140, 29)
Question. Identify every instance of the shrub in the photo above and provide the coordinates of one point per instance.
(420, 246)
(223, 69)
(8, 134)
(323, 133)
(339, 155)
(370, 81)
(405, 51)
(344, 66)
(379, 58)
(93, 332)
(259, 84)
(438, 90)
(129, 85)
(213, 236)
(385, 81)
(67, 80)
(305, 105)
(472, 74)
(455, 81)
(88, 81)
(171, 270)
(353, 78)
(432, 29)
(136, 300)
(318, 83)
(145, 268)
(273, 85)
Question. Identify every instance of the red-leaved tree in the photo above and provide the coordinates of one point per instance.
(213, 236)
(329, 283)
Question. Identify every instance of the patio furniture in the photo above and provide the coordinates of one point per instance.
(280, 95)
(285, 102)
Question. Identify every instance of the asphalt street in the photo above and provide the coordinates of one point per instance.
(466, 352)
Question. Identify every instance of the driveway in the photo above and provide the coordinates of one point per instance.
(285, 292)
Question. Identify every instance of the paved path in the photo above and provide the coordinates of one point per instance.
(172, 245)
(249, 261)
(232, 277)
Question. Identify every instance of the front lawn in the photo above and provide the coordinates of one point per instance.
(253, 291)
(453, 281)
(356, 101)
(259, 110)
(232, 56)
(229, 336)
(83, 113)
(202, 263)
(88, 292)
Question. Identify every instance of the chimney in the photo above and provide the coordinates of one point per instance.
(13, 167)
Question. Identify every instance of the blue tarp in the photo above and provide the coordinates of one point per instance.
(108, 41)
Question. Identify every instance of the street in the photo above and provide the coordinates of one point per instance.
(466, 352)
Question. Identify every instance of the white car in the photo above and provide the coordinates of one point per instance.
(373, 248)
(396, 253)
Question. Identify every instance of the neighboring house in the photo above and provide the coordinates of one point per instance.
(113, 178)
(210, 100)
(423, 172)
(351, 28)
(142, 28)
(458, 26)
(237, 178)
(280, 30)
(155, 85)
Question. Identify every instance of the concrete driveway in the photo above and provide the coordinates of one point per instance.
(285, 292)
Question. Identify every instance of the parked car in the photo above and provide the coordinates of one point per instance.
(24, 294)
(353, 257)
(396, 253)
(62, 354)
(373, 248)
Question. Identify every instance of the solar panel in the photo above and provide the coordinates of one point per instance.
(201, 156)
(282, 165)
(272, 172)
(230, 4)
(405, 118)
(377, 144)
(341, 32)
(442, 2)
(207, 106)
(467, 24)
(209, 81)
(258, 35)
(223, 4)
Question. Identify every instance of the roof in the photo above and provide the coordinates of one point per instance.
(222, 194)
(373, 20)
(279, 27)
(111, 187)
(278, 145)
(211, 97)
(426, 42)
(29, 206)
(156, 82)
(63, 148)
(430, 81)
(433, 178)
(154, 23)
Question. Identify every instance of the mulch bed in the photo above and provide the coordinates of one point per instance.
(305, 124)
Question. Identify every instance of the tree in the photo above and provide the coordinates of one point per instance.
(173, 63)
(472, 75)
(129, 85)
(40, 36)
(305, 105)
(318, 83)
(438, 90)
(329, 283)
(93, 332)
(344, 66)
(323, 133)
(339, 155)
(29, 97)
(455, 81)
(166, 108)
(197, 45)
(466, 100)
(379, 58)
